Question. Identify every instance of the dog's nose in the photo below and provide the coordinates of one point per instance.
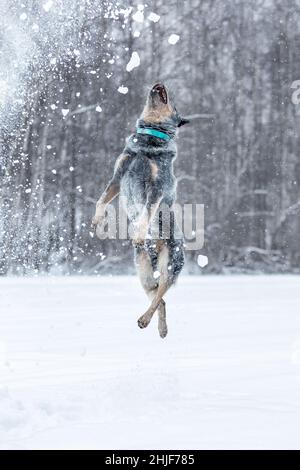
(158, 88)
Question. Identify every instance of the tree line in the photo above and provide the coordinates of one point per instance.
(65, 123)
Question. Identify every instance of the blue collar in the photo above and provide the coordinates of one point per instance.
(154, 132)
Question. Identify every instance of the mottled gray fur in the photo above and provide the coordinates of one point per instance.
(145, 180)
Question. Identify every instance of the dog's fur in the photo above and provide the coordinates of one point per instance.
(144, 176)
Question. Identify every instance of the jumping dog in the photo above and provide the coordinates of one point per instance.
(143, 176)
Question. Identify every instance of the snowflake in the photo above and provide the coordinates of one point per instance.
(153, 17)
(173, 39)
(134, 62)
(123, 90)
(47, 6)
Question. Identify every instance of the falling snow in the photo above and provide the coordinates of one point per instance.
(154, 17)
(48, 5)
(202, 261)
(134, 62)
(123, 90)
(59, 72)
(173, 39)
(138, 16)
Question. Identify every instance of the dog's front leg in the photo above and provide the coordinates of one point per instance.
(111, 191)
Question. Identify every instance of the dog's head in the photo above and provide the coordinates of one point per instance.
(160, 110)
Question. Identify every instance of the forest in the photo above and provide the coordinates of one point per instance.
(70, 94)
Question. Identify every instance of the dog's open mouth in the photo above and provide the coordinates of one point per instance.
(160, 91)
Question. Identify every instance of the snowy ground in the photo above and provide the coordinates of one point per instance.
(76, 372)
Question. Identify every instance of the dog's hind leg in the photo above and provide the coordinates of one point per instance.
(143, 322)
(162, 319)
(150, 286)
(157, 294)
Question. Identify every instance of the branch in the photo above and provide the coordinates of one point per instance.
(83, 110)
(193, 117)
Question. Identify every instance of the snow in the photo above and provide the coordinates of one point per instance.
(202, 261)
(77, 372)
(138, 16)
(3, 90)
(153, 17)
(123, 90)
(134, 62)
(65, 112)
(98, 109)
(48, 5)
(173, 39)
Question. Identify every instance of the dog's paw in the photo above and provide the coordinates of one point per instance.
(143, 321)
(162, 329)
(138, 242)
(139, 238)
(97, 220)
(140, 235)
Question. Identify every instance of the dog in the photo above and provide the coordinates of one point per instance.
(143, 176)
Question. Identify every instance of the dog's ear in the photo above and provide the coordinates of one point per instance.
(183, 121)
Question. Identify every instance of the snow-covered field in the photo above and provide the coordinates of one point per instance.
(77, 372)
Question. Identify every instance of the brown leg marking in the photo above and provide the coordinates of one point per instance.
(156, 294)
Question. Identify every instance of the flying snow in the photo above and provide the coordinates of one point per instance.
(153, 17)
(48, 5)
(123, 90)
(134, 62)
(3, 90)
(23, 16)
(138, 16)
(202, 261)
(98, 109)
(65, 112)
(173, 39)
(156, 274)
